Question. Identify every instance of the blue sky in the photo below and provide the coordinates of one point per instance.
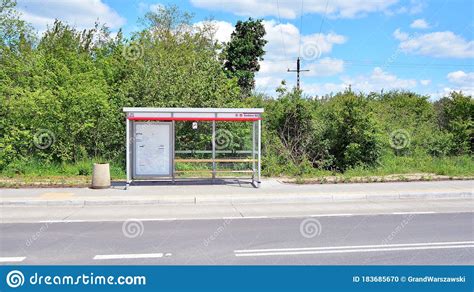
(424, 46)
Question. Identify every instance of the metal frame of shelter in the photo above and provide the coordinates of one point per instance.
(138, 115)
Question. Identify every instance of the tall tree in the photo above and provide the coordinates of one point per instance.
(13, 30)
(244, 51)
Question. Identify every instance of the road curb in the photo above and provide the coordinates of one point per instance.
(290, 198)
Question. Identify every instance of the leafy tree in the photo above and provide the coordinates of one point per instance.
(244, 51)
(407, 119)
(456, 115)
(352, 132)
(176, 67)
(292, 121)
(13, 30)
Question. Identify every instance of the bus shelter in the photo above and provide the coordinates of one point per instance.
(151, 142)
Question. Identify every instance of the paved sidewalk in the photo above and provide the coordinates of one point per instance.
(271, 191)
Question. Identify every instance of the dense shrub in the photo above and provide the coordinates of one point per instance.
(351, 130)
(61, 99)
(455, 115)
(62, 96)
(407, 120)
(291, 119)
(330, 134)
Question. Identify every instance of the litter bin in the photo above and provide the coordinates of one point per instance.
(101, 176)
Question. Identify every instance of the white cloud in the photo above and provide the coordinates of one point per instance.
(289, 9)
(419, 24)
(414, 7)
(425, 82)
(461, 78)
(375, 81)
(436, 44)
(222, 29)
(462, 81)
(79, 13)
(283, 41)
(401, 36)
(445, 91)
(321, 68)
(267, 84)
(283, 48)
(156, 7)
(325, 67)
(320, 89)
(378, 80)
(457, 81)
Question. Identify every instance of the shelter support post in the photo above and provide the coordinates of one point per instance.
(173, 145)
(254, 125)
(127, 153)
(259, 148)
(213, 150)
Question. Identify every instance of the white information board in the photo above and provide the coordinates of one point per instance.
(152, 149)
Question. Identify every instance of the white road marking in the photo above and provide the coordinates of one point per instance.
(232, 218)
(354, 248)
(414, 213)
(129, 256)
(11, 259)
(98, 220)
(358, 246)
(333, 215)
(157, 219)
(246, 217)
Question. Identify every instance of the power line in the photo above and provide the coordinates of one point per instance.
(298, 60)
(391, 64)
(281, 30)
(298, 65)
(301, 30)
(322, 20)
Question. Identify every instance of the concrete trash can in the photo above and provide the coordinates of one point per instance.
(101, 176)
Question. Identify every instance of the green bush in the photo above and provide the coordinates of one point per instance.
(407, 120)
(61, 99)
(351, 131)
(455, 115)
(440, 144)
(291, 120)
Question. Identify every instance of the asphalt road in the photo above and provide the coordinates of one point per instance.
(389, 239)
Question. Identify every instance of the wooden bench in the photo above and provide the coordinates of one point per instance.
(210, 171)
(216, 160)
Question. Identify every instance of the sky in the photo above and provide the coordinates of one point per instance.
(371, 45)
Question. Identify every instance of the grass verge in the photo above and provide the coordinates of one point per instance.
(391, 168)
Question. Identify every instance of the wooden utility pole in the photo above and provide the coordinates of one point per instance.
(298, 70)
